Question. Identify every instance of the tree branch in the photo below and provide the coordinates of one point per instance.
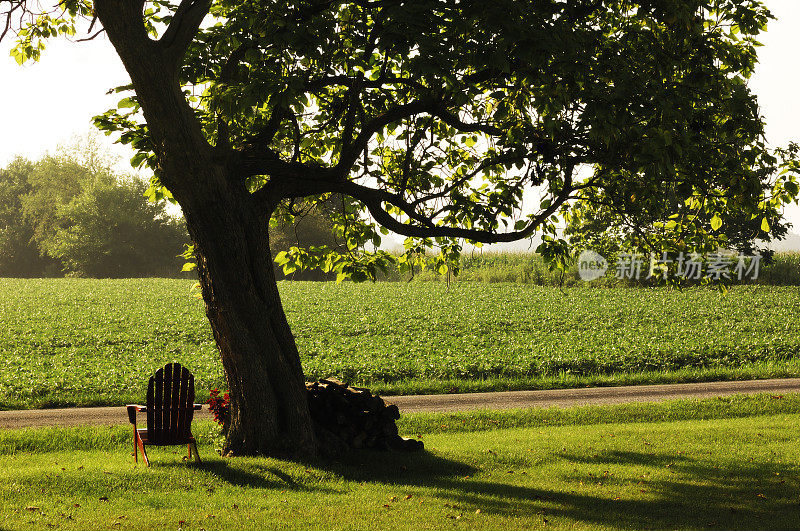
(374, 199)
(183, 27)
(124, 24)
(432, 106)
(352, 151)
(298, 180)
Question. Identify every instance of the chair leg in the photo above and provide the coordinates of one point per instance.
(135, 445)
(196, 453)
(141, 447)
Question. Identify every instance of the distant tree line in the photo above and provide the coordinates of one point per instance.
(71, 214)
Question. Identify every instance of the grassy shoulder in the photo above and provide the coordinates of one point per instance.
(611, 467)
(759, 370)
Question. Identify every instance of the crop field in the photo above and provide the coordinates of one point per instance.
(72, 341)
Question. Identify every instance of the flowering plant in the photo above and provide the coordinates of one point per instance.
(220, 406)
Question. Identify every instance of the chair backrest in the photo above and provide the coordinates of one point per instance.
(170, 405)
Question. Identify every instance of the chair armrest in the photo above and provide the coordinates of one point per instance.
(198, 407)
(132, 409)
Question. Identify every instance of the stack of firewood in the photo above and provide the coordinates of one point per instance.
(356, 416)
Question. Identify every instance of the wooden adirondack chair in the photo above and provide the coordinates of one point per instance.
(170, 407)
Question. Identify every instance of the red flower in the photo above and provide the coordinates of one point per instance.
(219, 406)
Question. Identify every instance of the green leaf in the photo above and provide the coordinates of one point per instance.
(126, 103)
(716, 222)
(189, 266)
(765, 225)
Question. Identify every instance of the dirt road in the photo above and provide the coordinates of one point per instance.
(454, 402)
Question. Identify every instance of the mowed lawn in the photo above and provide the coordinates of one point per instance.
(729, 473)
(74, 341)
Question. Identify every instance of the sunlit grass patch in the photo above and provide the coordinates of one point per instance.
(731, 473)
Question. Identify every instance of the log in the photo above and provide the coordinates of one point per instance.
(353, 417)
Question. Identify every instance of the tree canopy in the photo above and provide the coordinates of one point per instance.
(431, 118)
(435, 116)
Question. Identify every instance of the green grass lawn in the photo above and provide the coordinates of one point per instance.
(70, 341)
(737, 472)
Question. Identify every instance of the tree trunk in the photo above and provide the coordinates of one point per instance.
(269, 408)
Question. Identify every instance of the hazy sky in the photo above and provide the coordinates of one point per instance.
(45, 103)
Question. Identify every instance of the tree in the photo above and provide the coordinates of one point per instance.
(661, 220)
(19, 254)
(70, 213)
(432, 116)
(53, 182)
(111, 230)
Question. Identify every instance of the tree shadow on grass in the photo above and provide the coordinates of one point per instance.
(249, 475)
(753, 495)
(697, 493)
(684, 492)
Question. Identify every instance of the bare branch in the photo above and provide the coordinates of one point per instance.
(97, 33)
